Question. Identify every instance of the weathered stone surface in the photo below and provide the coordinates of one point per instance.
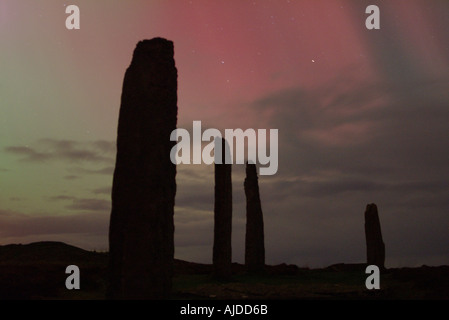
(141, 234)
(375, 247)
(254, 241)
(222, 251)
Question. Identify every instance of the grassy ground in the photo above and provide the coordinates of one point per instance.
(38, 272)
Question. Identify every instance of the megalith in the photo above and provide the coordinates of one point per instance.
(254, 239)
(375, 247)
(141, 231)
(222, 250)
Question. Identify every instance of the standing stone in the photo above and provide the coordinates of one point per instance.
(254, 241)
(222, 252)
(141, 231)
(375, 247)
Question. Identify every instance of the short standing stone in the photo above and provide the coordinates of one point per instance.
(375, 247)
(254, 241)
(222, 251)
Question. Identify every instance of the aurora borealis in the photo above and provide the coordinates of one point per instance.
(363, 116)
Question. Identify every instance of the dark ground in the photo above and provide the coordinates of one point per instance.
(37, 271)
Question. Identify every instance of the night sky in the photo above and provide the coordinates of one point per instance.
(363, 116)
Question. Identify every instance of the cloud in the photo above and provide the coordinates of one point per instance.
(71, 177)
(100, 151)
(105, 171)
(17, 225)
(85, 204)
(28, 153)
(90, 205)
(8, 212)
(104, 190)
(369, 135)
(82, 204)
(60, 197)
(108, 147)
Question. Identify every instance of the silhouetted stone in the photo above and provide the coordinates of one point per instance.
(141, 234)
(222, 252)
(375, 247)
(254, 241)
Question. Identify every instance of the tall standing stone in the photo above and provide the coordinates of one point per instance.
(141, 232)
(222, 251)
(375, 247)
(254, 241)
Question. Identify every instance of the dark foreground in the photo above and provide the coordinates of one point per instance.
(37, 271)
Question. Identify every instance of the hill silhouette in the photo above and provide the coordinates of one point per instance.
(37, 271)
(49, 252)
